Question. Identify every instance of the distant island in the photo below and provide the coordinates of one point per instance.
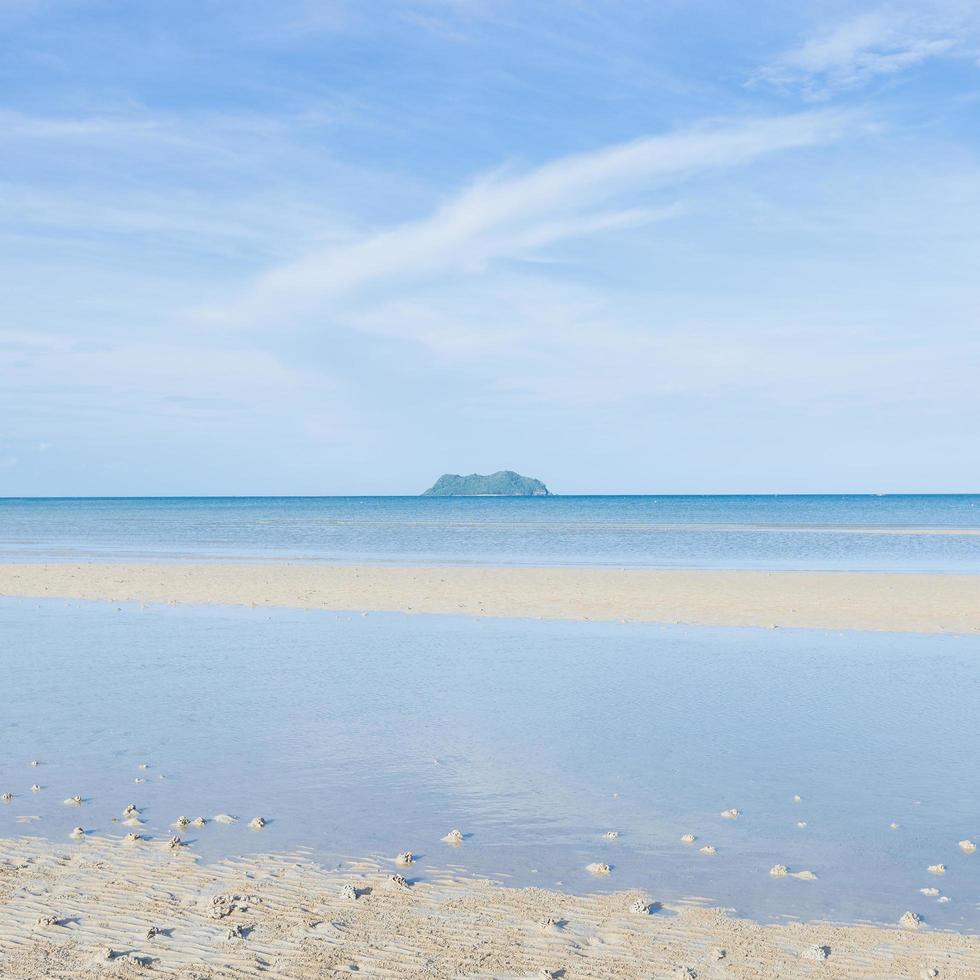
(506, 483)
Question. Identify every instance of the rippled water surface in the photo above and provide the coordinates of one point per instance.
(926, 533)
(360, 736)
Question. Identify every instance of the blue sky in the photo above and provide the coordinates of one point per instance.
(321, 246)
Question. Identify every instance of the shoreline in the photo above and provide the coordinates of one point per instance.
(102, 908)
(874, 601)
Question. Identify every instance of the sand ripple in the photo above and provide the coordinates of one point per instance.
(109, 910)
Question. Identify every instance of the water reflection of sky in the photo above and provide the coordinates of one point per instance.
(371, 735)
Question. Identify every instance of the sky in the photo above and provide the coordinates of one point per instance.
(344, 246)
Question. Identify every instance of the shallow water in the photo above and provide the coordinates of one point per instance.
(765, 531)
(361, 736)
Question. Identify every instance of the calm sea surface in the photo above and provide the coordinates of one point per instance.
(360, 736)
(816, 532)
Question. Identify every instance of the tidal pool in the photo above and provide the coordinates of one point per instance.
(360, 736)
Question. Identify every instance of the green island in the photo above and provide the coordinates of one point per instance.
(505, 483)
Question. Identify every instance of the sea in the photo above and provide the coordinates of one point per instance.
(850, 755)
(828, 532)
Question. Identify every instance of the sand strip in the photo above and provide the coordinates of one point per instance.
(101, 908)
(817, 600)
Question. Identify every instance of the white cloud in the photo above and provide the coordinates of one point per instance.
(505, 216)
(875, 43)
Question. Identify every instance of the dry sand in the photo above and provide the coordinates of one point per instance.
(160, 912)
(818, 600)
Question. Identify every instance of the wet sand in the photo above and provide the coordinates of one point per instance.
(101, 908)
(920, 603)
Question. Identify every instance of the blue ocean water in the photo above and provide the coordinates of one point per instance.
(858, 532)
(357, 736)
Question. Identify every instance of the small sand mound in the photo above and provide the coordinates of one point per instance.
(348, 892)
(781, 871)
(688, 839)
(801, 824)
(815, 953)
(454, 837)
(936, 869)
(910, 920)
(929, 892)
(731, 814)
(225, 818)
(223, 905)
(198, 822)
(550, 924)
(967, 846)
(707, 849)
(598, 868)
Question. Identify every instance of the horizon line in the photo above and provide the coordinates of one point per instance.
(497, 496)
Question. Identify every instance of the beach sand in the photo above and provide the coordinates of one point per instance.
(101, 908)
(918, 603)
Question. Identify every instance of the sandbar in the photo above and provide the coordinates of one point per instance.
(898, 602)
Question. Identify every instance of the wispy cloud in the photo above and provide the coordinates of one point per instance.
(504, 215)
(880, 42)
(96, 187)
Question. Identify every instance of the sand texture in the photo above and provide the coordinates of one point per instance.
(818, 600)
(99, 908)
